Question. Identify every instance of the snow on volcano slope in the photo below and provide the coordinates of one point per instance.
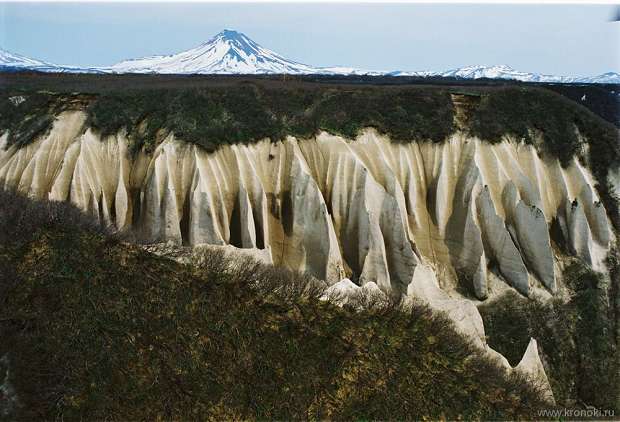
(228, 52)
(605, 78)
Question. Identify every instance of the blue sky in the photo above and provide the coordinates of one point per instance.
(556, 39)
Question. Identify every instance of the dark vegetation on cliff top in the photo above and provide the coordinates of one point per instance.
(96, 329)
(601, 99)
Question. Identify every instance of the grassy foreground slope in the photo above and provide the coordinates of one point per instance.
(96, 329)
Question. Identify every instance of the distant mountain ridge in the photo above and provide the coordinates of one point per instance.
(16, 62)
(507, 72)
(231, 52)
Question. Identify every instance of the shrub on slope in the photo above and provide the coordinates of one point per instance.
(96, 329)
(26, 117)
(577, 338)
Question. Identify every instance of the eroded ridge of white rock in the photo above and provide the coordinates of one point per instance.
(467, 320)
(531, 365)
(463, 313)
(365, 209)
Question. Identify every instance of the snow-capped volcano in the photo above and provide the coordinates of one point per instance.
(228, 52)
(231, 52)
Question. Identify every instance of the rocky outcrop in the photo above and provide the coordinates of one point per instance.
(366, 209)
(532, 366)
(468, 321)
(424, 289)
(346, 292)
(463, 313)
(499, 245)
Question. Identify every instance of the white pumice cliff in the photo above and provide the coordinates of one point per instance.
(479, 214)
(474, 217)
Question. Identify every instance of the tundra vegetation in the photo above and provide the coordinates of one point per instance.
(94, 328)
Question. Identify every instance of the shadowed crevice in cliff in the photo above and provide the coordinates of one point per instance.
(431, 200)
(287, 212)
(557, 236)
(351, 250)
(281, 208)
(100, 213)
(236, 226)
(259, 230)
(136, 206)
(184, 223)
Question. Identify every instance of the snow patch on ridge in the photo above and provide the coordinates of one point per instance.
(16, 62)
